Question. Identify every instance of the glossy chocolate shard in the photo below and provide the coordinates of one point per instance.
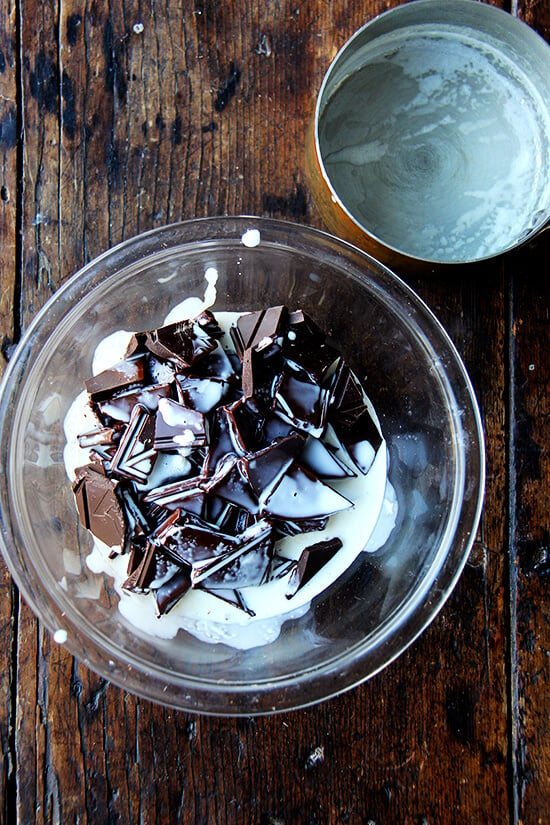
(225, 439)
(137, 521)
(301, 495)
(323, 460)
(303, 327)
(208, 323)
(302, 401)
(311, 561)
(294, 527)
(175, 497)
(169, 593)
(318, 360)
(136, 345)
(98, 505)
(275, 428)
(256, 538)
(158, 370)
(279, 567)
(118, 407)
(136, 553)
(267, 466)
(184, 343)
(125, 374)
(352, 420)
(231, 483)
(248, 569)
(135, 454)
(202, 394)
(232, 597)
(153, 571)
(216, 364)
(249, 422)
(178, 426)
(207, 550)
(102, 437)
(143, 574)
(265, 376)
(258, 330)
(226, 517)
(193, 544)
(172, 491)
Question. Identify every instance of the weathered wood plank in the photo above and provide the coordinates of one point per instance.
(531, 524)
(9, 298)
(531, 339)
(128, 136)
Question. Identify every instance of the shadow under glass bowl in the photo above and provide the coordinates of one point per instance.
(419, 388)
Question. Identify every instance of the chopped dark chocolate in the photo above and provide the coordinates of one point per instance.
(178, 426)
(118, 407)
(184, 342)
(135, 454)
(98, 505)
(312, 559)
(207, 457)
(124, 374)
(266, 467)
(301, 495)
(171, 591)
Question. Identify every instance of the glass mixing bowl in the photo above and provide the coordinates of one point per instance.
(428, 414)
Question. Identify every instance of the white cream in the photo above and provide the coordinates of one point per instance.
(363, 526)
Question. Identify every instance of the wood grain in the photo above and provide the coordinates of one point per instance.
(119, 117)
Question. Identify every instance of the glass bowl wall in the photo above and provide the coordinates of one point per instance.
(413, 375)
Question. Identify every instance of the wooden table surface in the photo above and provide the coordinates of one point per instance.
(110, 124)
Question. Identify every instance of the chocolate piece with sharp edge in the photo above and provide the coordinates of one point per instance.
(171, 591)
(122, 375)
(98, 505)
(184, 342)
(118, 407)
(301, 495)
(178, 426)
(135, 454)
(311, 560)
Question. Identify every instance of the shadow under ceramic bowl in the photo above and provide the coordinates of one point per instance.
(429, 417)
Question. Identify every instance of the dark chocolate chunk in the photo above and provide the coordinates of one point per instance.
(119, 407)
(216, 364)
(258, 330)
(246, 570)
(323, 460)
(302, 401)
(267, 466)
(201, 393)
(178, 426)
(135, 454)
(292, 527)
(231, 483)
(225, 439)
(169, 593)
(124, 374)
(301, 495)
(184, 342)
(311, 560)
(104, 436)
(98, 505)
(233, 597)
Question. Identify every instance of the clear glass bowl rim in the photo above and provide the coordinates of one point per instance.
(332, 677)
